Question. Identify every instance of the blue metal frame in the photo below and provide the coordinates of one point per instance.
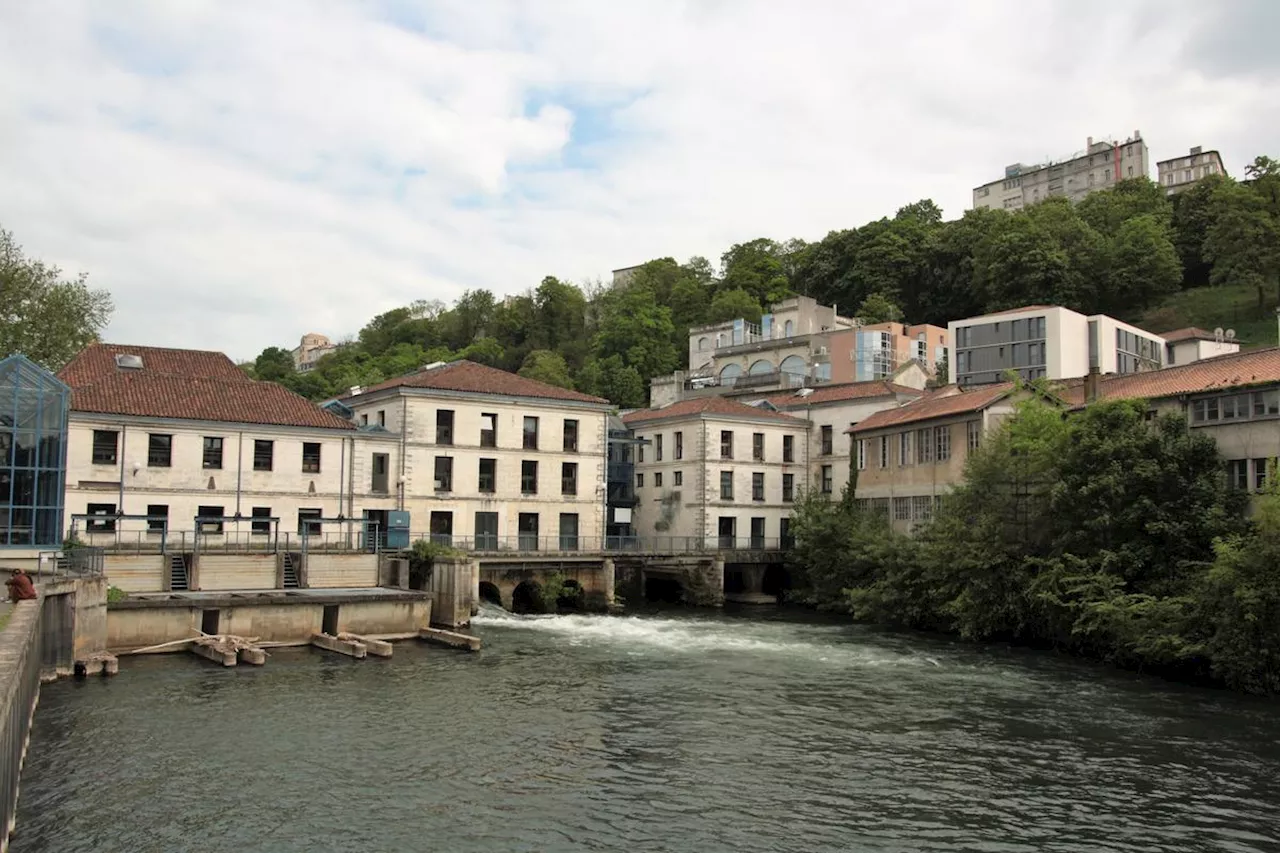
(33, 450)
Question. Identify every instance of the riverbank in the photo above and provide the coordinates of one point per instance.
(697, 732)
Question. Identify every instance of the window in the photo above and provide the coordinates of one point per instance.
(826, 479)
(211, 519)
(1266, 403)
(382, 417)
(640, 480)
(159, 451)
(788, 487)
(974, 431)
(379, 481)
(570, 436)
(444, 426)
(569, 478)
(757, 486)
(264, 451)
(104, 520)
(826, 440)
(884, 451)
(1260, 473)
(788, 448)
(212, 451)
(904, 449)
(942, 443)
(104, 447)
(924, 446)
(309, 522)
(487, 531)
(444, 474)
(657, 448)
(529, 477)
(1238, 473)
(488, 429)
(640, 448)
(861, 445)
(568, 531)
(757, 446)
(364, 420)
(902, 509)
(679, 478)
(527, 529)
(726, 444)
(260, 526)
(726, 485)
(657, 479)
(679, 442)
(488, 479)
(158, 517)
(922, 507)
(311, 457)
(530, 433)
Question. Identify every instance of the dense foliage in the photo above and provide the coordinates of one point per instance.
(1118, 252)
(42, 315)
(1103, 534)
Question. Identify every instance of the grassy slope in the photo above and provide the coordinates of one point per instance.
(1232, 307)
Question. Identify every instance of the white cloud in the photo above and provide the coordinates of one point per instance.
(238, 173)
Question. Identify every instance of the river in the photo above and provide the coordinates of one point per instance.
(689, 733)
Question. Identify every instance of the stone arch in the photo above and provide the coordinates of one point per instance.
(760, 367)
(793, 365)
(789, 329)
(489, 592)
(702, 343)
(729, 374)
(527, 598)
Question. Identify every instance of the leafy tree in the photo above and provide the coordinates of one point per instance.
(615, 380)
(484, 350)
(1243, 242)
(273, 364)
(1105, 212)
(732, 305)
(1193, 213)
(43, 316)
(547, 366)
(878, 308)
(756, 267)
(1143, 266)
(639, 331)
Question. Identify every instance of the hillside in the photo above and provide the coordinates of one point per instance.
(1229, 307)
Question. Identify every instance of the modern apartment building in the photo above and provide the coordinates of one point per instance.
(908, 457)
(312, 347)
(1178, 173)
(716, 473)
(492, 460)
(798, 344)
(1048, 341)
(168, 443)
(1098, 167)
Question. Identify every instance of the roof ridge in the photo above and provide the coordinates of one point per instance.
(1200, 362)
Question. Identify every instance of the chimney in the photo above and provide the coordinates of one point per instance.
(1091, 383)
(1088, 146)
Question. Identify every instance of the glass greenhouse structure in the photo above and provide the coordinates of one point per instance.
(33, 453)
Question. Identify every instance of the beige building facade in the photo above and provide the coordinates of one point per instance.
(717, 474)
(1098, 167)
(311, 349)
(1179, 173)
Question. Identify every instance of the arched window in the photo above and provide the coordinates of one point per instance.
(793, 365)
(702, 344)
(788, 329)
(760, 367)
(729, 374)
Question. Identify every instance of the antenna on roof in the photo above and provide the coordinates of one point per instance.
(1231, 334)
(1218, 334)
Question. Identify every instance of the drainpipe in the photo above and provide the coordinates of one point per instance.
(351, 481)
(342, 472)
(124, 443)
(239, 468)
(404, 432)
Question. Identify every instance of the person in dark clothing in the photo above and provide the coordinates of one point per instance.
(20, 586)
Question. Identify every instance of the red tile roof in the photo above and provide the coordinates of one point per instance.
(841, 393)
(936, 405)
(707, 406)
(470, 377)
(1190, 333)
(1235, 370)
(185, 385)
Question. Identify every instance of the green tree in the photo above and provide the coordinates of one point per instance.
(733, 305)
(42, 315)
(1193, 212)
(547, 366)
(1105, 212)
(615, 380)
(273, 364)
(1143, 265)
(756, 267)
(639, 331)
(878, 308)
(1243, 241)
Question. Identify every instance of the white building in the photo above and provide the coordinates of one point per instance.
(716, 473)
(1098, 167)
(1184, 346)
(1048, 341)
(492, 460)
(158, 438)
(1178, 173)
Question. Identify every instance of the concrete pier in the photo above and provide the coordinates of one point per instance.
(452, 639)
(253, 655)
(226, 658)
(377, 648)
(349, 648)
(99, 663)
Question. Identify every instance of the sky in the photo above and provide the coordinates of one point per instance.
(237, 173)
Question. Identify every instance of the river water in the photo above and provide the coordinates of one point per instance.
(688, 733)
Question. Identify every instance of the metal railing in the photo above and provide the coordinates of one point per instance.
(567, 544)
(78, 562)
(367, 538)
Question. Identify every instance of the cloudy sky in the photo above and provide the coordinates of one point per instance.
(238, 173)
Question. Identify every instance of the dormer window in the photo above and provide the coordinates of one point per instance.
(128, 361)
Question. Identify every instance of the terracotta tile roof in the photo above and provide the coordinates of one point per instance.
(185, 385)
(840, 393)
(936, 405)
(1190, 333)
(1235, 370)
(707, 406)
(470, 377)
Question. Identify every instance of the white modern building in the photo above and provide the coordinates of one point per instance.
(1098, 167)
(1184, 346)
